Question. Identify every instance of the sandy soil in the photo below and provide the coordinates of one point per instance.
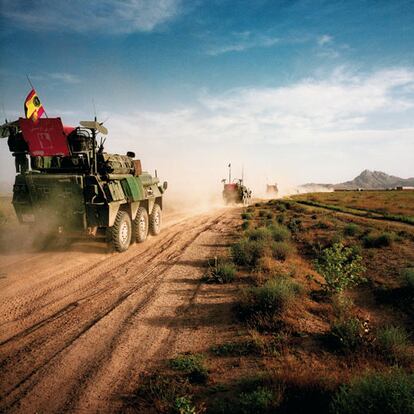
(79, 323)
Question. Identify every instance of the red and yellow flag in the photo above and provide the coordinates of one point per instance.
(33, 108)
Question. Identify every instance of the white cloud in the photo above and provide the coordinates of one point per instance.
(107, 16)
(325, 130)
(240, 41)
(324, 39)
(65, 77)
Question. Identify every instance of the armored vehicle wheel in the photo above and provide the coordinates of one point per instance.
(155, 220)
(120, 233)
(141, 225)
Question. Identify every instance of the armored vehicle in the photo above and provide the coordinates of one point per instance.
(66, 184)
(271, 189)
(235, 191)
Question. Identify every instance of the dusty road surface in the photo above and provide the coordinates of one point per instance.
(79, 324)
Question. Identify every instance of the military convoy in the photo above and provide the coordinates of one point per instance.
(66, 184)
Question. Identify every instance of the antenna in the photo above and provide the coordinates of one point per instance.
(94, 108)
(4, 112)
(229, 173)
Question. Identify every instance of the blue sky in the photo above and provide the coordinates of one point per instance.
(296, 91)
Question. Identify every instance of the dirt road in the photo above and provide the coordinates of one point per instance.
(79, 324)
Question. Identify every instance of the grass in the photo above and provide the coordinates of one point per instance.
(376, 393)
(399, 203)
(271, 299)
(351, 229)
(281, 250)
(160, 393)
(248, 252)
(192, 365)
(393, 343)
(378, 240)
(246, 216)
(259, 400)
(408, 277)
(347, 334)
(363, 212)
(220, 271)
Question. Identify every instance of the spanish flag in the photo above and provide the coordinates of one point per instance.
(33, 108)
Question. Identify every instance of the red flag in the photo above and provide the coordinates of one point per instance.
(33, 108)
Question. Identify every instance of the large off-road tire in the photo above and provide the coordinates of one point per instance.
(155, 220)
(141, 224)
(121, 232)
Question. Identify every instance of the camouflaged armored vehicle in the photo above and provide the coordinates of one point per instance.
(68, 185)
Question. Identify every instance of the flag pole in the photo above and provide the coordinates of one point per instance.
(31, 85)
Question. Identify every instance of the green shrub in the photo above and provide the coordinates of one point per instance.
(269, 215)
(279, 233)
(351, 229)
(393, 342)
(322, 224)
(376, 393)
(347, 334)
(260, 233)
(235, 348)
(262, 213)
(247, 252)
(184, 405)
(160, 391)
(281, 250)
(192, 365)
(246, 216)
(220, 272)
(295, 225)
(257, 401)
(270, 299)
(340, 266)
(245, 225)
(378, 240)
(281, 218)
(408, 277)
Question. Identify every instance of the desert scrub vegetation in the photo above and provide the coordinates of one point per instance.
(259, 305)
(246, 216)
(374, 240)
(351, 229)
(260, 400)
(192, 366)
(347, 334)
(220, 270)
(408, 277)
(247, 252)
(341, 267)
(375, 393)
(392, 342)
(164, 394)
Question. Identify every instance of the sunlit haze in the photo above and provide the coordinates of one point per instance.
(291, 91)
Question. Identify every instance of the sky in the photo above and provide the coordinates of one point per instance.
(291, 91)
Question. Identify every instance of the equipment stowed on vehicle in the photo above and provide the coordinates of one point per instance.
(66, 184)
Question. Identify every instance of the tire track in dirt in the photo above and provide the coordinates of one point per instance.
(166, 254)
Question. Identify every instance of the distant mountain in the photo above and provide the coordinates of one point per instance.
(376, 180)
(367, 180)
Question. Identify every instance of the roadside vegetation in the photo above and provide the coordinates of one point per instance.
(322, 314)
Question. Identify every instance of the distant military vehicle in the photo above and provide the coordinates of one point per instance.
(271, 189)
(235, 191)
(67, 184)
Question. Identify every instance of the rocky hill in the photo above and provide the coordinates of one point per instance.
(368, 180)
